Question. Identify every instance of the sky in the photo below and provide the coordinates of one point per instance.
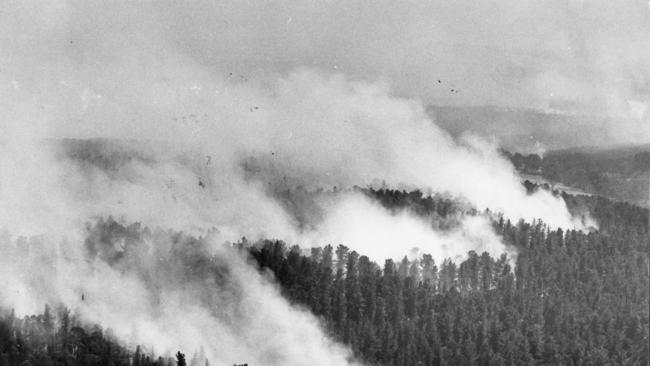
(568, 57)
(582, 56)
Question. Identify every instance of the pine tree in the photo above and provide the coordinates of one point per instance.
(180, 359)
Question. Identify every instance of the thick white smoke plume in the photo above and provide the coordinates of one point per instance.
(165, 292)
(185, 134)
(368, 228)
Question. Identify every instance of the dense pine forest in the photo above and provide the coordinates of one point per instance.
(58, 338)
(569, 297)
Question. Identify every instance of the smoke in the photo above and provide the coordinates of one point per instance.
(117, 72)
(166, 291)
(177, 137)
(318, 131)
(367, 227)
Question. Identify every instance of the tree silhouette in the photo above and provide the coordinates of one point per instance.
(180, 359)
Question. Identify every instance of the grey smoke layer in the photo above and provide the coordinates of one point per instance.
(582, 58)
(165, 291)
(119, 72)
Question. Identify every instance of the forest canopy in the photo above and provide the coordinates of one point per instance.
(569, 297)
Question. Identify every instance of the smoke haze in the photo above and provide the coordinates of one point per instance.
(166, 292)
(184, 118)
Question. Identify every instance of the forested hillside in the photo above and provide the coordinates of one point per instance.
(569, 297)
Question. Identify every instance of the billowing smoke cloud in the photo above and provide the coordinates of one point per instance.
(196, 148)
(368, 228)
(166, 292)
(318, 130)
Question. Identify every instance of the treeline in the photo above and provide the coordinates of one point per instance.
(572, 298)
(57, 337)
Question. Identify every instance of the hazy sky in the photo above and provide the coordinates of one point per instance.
(569, 56)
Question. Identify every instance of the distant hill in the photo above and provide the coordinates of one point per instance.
(528, 130)
(621, 173)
